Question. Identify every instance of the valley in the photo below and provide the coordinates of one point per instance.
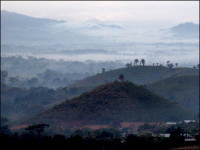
(104, 75)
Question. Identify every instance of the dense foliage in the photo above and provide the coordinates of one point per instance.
(20, 103)
(181, 89)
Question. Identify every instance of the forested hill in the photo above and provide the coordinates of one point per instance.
(112, 103)
(19, 103)
(136, 74)
(181, 89)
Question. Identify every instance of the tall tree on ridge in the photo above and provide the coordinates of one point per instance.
(121, 77)
(142, 62)
(136, 61)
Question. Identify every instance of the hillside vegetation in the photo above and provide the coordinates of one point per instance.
(111, 104)
(137, 74)
(181, 89)
(20, 103)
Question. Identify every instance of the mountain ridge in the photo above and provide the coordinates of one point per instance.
(186, 30)
(24, 20)
(137, 74)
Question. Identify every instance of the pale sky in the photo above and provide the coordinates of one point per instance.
(79, 11)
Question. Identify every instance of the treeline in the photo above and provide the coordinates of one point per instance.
(19, 103)
(32, 71)
(48, 78)
(169, 64)
(105, 140)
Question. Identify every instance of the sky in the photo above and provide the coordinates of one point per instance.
(118, 11)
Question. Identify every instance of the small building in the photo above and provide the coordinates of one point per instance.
(171, 123)
(189, 121)
(190, 140)
(166, 135)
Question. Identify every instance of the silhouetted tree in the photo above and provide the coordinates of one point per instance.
(38, 128)
(142, 61)
(176, 64)
(121, 77)
(170, 66)
(136, 61)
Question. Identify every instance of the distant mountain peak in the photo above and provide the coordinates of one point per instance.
(13, 16)
(186, 30)
(187, 24)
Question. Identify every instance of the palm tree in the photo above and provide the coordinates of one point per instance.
(142, 62)
(136, 61)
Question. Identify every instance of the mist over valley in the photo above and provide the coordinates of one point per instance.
(98, 40)
(100, 79)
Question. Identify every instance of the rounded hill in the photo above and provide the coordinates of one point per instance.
(136, 74)
(113, 103)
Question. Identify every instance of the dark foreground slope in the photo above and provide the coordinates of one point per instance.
(111, 103)
(181, 89)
